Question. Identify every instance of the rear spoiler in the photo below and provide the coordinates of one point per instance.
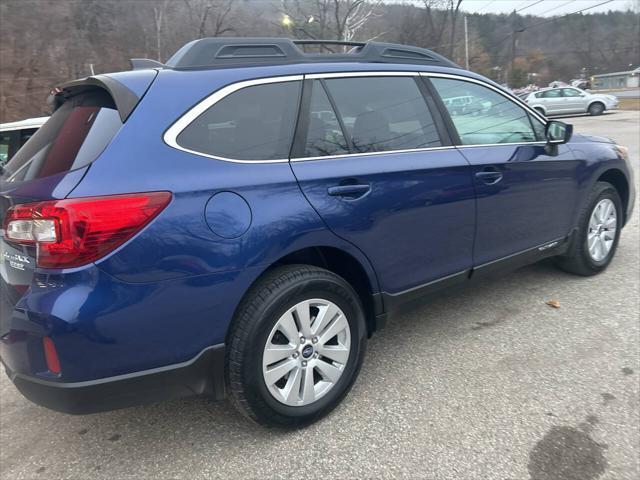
(124, 98)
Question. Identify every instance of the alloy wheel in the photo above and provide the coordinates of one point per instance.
(306, 352)
(603, 224)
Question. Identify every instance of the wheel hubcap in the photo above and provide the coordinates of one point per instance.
(602, 230)
(306, 352)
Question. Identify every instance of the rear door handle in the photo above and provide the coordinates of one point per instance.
(349, 191)
(490, 175)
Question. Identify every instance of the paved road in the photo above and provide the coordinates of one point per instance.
(634, 93)
(488, 383)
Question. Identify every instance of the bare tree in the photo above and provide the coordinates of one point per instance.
(328, 19)
(215, 12)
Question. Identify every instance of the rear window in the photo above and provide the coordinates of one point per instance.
(255, 123)
(72, 138)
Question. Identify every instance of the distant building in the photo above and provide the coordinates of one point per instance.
(628, 79)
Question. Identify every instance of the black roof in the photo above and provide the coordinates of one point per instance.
(247, 51)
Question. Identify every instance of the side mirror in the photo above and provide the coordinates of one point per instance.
(558, 132)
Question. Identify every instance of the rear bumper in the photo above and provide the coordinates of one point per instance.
(203, 374)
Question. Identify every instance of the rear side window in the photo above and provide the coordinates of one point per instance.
(72, 138)
(383, 113)
(254, 123)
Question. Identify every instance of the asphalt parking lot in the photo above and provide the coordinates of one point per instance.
(484, 383)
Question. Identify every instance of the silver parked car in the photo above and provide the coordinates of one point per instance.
(566, 100)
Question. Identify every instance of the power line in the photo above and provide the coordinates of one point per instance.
(530, 5)
(559, 6)
(566, 15)
(485, 6)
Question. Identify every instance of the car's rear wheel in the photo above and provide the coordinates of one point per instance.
(295, 346)
(596, 238)
(539, 110)
(596, 108)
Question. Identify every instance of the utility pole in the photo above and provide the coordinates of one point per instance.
(466, 43)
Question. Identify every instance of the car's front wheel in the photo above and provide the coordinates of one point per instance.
(598, 232)
(596, 108)
(295, 346)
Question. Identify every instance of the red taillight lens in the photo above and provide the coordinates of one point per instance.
(51, 355)
(74, 232)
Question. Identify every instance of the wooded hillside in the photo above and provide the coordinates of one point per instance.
(46, 42)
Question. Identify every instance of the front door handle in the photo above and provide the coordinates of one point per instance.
(351, 192)
(489, 175)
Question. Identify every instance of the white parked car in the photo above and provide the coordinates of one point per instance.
(566, 100)
(15, 134)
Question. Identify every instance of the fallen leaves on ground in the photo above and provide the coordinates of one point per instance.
(553, 303)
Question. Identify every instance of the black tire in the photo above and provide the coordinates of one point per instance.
(578, 260)
(596, 108)
(540, 111)
(271, 296)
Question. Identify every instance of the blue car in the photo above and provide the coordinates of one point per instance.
(238, 221)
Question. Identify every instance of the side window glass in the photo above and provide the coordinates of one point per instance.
(570, 92)
(324, 134)
(383, 113)
(486, 117)
(5, 140)
(551, 94)
(539, 128)
(254, 123)
(26, 134)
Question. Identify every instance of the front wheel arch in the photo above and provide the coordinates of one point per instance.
(619, 181)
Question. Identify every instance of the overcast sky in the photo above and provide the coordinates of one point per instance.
(545, 8)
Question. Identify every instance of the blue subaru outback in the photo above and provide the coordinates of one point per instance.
(240, 220)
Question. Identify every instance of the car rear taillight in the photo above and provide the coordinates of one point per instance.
(73, 232)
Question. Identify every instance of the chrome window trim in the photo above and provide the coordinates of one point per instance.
(376, 73)
(521, 144)
(367, 154)
(171, 135)
(506, 95)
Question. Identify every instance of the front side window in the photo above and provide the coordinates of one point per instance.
(571, 92)
(383, 113)
(487, 117)
(254, 123)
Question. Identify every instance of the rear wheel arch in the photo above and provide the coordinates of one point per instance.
(343, 264)
(540, 110)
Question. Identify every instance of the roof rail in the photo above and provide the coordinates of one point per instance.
(236, 52)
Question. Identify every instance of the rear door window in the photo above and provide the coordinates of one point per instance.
(324, 132)
(551, 94)
(383, 113)
(254, 123)
(72, 138)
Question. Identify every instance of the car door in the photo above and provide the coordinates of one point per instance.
(381, 172)
(553, 101)
(526, 197)
(574, 100)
